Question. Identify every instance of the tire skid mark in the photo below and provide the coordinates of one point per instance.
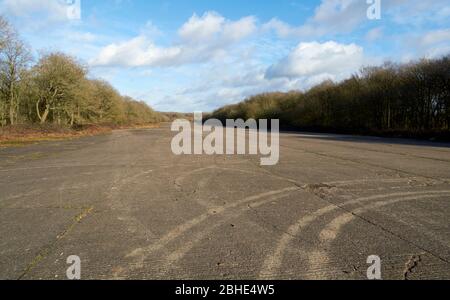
(178, 254)
(273, 262)
(141, 254)
(414, 178)
(135, 224)
(334, 228)
(378, 180)
(179, 180)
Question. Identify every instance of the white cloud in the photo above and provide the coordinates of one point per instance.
(150, 30)
(215, 85)
(212, 26)
(200, 29)
(136, 52)
(281, 28)
(235, 31)
(82, 37)
(429, 44)
(435, 37)
(343, 16)
(201, 39)
(315, 59)
(54, 10)
(417, 12)
(330, 17)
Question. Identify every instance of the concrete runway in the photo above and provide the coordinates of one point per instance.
(130, 209)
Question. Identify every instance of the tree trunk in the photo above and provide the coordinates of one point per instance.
(45, 115)
(11, 112)
(11, 104)
(389, 115)
(42, 118)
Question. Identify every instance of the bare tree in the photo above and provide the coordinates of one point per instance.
(14, 59)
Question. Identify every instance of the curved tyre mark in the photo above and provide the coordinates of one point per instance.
(179, 180)
(273, 262)
(334, 228)
(140, 254)
(178, 254)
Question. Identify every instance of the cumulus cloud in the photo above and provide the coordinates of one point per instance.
(430, 44)
(318, 59)
(418, 12)
(344, 16)
(216, 84)
(202, 28)
(136, 52)
(331, 16)
(54, 10)
(213, 26)
(341, 15)
(435, 37)
(200, 40)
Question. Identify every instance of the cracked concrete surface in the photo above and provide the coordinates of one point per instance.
(130, 209)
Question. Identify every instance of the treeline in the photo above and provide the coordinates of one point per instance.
(394, 99)
(56, 90)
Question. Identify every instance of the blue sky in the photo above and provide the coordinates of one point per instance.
(180, 55)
